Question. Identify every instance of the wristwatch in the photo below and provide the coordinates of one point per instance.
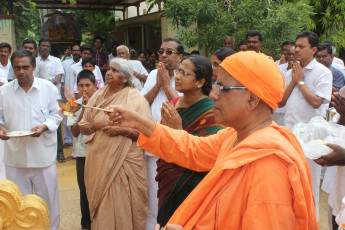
(300, 83)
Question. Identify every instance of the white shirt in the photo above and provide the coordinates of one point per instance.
(79, 145)
(54, 67)
(160, 98)
(338, 61)
(339, 67)
(139, 68)
(19, 111)
(7, 68)
(3, 77)
(75, 70)
(111, 56)
(338, 191)
(66, 77)
(318, 79)
(283, 69)
(41, 71)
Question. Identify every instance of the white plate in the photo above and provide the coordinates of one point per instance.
(24, 133)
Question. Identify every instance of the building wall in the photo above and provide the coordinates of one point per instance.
(7, 31)
(131, 16)
(131, 11)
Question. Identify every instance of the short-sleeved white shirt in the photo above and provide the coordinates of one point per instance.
(54, 67)
(160, 98)
(139, 68)
(66, 78)
(283, 70)
(77, 68)
(6, 68)
(318, 79)
(3, 77)
(79, 146)
(20, 110)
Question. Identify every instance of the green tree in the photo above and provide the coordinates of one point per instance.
(96, 23)
(206, 23)
(329, 20)
(26, 18)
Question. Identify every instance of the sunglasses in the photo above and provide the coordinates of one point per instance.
(168, 52)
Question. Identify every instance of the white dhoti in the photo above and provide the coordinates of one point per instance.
(44, 182)
(338, 191)
(152, 189)
(315, 171)
(2, 166)
(329, 179)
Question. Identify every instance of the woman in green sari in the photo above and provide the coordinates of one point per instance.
(192, 112)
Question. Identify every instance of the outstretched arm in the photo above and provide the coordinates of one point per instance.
(177, 146)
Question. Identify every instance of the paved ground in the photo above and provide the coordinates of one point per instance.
(69, 197)
(69, 194)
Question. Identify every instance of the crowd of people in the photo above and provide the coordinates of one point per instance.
(186, 142)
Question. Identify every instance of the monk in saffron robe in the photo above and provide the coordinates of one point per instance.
(259, 177)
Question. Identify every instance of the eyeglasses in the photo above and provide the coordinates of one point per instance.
(182, 72)
(168, 52)
(221, 88)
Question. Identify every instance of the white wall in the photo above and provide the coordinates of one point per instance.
(132, 11)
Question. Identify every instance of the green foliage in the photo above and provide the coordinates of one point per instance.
(96, 23)
(27, 21)
(329, 20)
(207, 22)
(207, 17)
(282, 22)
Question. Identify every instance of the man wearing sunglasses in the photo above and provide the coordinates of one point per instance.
(160, 87)
(258, 176)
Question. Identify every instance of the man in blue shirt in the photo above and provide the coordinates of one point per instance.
(325, 57)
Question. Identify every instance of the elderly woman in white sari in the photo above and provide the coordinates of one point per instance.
(115, 173)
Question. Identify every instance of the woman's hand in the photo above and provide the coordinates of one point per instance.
(170, 116)
(113, 131)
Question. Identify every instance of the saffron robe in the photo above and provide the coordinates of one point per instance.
(262, 183)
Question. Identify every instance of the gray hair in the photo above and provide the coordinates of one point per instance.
(334, 50)
(126, 69)
(121, 47)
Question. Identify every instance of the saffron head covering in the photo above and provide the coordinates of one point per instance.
(258, 73)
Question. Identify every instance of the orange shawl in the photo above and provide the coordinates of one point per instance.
(262, 183)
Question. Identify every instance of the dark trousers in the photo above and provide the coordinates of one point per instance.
(335, 226)
(84, 204)
(59, 141)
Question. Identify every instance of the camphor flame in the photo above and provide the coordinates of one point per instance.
(70, 98)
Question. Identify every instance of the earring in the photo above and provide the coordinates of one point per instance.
(199, 86)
